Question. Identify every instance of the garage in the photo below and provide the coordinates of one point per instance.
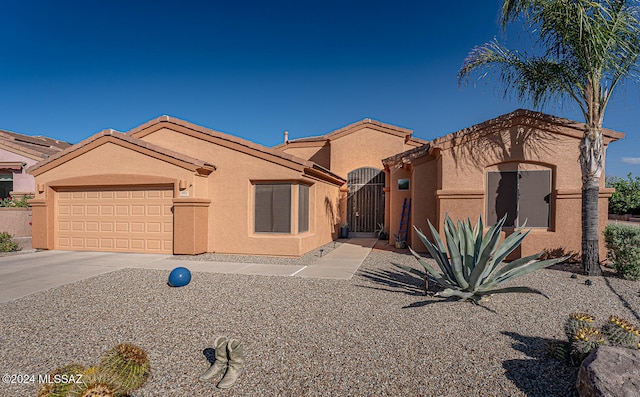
(115, 218)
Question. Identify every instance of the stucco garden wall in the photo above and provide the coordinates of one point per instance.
(15, 221)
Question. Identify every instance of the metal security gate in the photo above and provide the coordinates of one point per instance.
(365, 202)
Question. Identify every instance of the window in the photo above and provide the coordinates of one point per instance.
(403, 184)
(303, 208)
(521, 195)
(272, 208)
(6, 184)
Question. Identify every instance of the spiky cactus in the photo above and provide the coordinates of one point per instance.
(586, 339)
(97, 389)
(60, 389)
(577, 321)
(620, 332)
(129, 365)
(560, 350)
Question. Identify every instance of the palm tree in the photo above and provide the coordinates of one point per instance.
(585, 48)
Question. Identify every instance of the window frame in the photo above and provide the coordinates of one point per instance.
(491, 201)
(298, 217)
(260, 219)
(304, 208)
(6, 179)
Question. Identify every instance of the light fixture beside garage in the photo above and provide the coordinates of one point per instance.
(182, 184)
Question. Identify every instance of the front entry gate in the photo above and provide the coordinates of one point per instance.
(365, 201)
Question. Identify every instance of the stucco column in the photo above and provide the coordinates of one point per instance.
(344, 191)
(190, 225)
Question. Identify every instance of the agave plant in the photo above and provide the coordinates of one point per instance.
(471, 267)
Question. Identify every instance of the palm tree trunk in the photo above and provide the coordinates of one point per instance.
(591, 161)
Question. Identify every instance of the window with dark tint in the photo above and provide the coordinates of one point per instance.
(6, 184)
(521, 195)
(272, 208)
(303, 208)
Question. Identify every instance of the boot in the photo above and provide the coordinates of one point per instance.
(236, 360)
(220, 365)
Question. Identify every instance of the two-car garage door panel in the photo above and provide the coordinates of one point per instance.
(126, 219)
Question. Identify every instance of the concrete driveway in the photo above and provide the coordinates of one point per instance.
(28, 273)
(25, 274)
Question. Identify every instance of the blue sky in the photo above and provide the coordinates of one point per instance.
(257, 68)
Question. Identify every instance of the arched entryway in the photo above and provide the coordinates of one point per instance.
(365, 201)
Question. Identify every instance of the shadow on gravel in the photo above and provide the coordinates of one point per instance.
(540, 375)
(622, 299)
(394, 281)
(405, 280)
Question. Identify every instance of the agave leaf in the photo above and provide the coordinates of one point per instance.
(439, 256)
(455, 292)
(477, 233)
(436, 237)
(517, 263)
(511, 289)
(442, 258)
(450, 226)
(503, 250)
(513, 273)
(436, 276)
(469, 249)
(483, 266)
(454, 253)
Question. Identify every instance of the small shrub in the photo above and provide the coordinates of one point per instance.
(6, 244)
(11, 202)
(626, 198)
(623, 249)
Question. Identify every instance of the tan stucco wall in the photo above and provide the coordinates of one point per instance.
(107, 164)
(230, 187)
(424, 204)
(365, 147)
(395, 210)
(462, 183)
(22, 181)
(319, 154)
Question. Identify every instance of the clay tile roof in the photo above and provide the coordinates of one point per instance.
(221, 135)
(542, 120)
(132, 140)
(40, 147)
(350, 127)
(233, 139)
(408, 155)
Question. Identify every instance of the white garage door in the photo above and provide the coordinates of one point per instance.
(121, 219)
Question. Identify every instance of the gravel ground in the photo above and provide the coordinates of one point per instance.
(375, 335)
(305, 260)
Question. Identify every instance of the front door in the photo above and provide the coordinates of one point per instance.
(365, 202)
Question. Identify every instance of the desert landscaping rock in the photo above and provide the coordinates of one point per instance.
(376, 334)
(610, 371)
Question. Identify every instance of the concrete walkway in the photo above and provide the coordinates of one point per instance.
(25, 274)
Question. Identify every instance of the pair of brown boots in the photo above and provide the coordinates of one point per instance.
(229, 361)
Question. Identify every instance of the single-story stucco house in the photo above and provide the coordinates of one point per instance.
(170, 186)
(19, 152)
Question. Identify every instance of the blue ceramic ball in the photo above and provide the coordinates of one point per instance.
(179, 277)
